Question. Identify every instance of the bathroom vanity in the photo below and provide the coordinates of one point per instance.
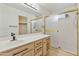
(26, 45)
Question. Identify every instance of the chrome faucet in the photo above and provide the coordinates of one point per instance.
(13, 37)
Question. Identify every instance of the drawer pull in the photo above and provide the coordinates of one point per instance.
(45, 42)
(40, 55)
(39, 49)
(20, 51)
(26, 48)
(38, 43)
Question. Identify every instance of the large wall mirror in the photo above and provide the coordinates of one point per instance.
(37, 25)
(14, 20)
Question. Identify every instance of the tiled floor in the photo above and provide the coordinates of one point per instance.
(58, 52)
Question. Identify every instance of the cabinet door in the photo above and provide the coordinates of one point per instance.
(45, 47)
(48, 43)
(30, 53)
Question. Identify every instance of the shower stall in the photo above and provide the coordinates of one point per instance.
(64, 30)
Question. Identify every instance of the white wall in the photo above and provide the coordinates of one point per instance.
(10, 16)
(0, 22)
(78, 28)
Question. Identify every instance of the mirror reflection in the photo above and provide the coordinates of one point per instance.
(37, 25)
(15, 18)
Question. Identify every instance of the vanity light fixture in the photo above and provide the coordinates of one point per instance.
(30, 6)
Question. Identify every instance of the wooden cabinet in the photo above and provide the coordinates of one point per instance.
(6, 53)
(25, 49)
(20, 50)
(36, 48)
(29, 53)
(45, 47)
(38, 43)
(22, 19)
(39, 54)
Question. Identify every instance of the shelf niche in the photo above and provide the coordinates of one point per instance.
(22, 25)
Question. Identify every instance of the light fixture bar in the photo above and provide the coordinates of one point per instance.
(30, 6)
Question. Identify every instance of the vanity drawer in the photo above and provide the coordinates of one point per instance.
(25, 53)
(5, 54)
(20, 49)
(30, 53)
(37, 50)
(24, 48)
(38, 43)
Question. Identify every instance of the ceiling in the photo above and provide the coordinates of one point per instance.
(54, 8)
(23, 7)
(44, 8)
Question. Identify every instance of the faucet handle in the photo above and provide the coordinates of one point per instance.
(13, 37)
(12, 34)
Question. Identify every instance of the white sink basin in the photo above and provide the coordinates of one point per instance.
(20, 40)
(10, 44)
(7, 43)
